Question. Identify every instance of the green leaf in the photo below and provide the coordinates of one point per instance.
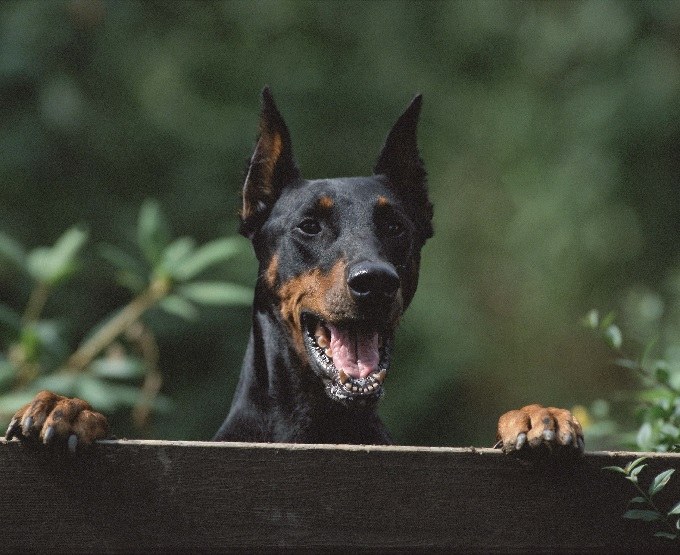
(591, 320)
(209, 254)
(175, 253)
(121, 260)
(660, 481)
(675, 510)
(153, 232)
(661, 374)
(642, 514)
(632, 464)
(644, 436)
(178, 306)
(608, 320)
(106, 396)
(615, 469)
(11, 252)
(123, 368)
(217, 293)
(638, 499)
(637, 470)
(30, 343)
(52, 265)
(612, 335)
(669, 430)
(666, 535)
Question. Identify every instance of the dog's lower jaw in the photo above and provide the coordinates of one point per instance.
(280, 399)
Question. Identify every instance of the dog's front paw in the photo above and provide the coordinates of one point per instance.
(535, 429)
(56, 420)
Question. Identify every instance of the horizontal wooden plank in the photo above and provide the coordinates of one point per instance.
(169, 496)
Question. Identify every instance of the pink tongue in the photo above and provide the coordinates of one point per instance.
(357, 355)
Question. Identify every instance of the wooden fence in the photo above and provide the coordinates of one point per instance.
(196, 496)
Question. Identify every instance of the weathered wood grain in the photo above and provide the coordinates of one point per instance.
(195, 496)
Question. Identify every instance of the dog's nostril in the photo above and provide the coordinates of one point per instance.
(373, 280)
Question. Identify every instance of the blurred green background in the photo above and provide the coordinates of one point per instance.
(550, 131)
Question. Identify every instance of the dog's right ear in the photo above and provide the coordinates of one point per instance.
(271, 167)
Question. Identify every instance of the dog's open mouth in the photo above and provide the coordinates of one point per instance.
(352, 359)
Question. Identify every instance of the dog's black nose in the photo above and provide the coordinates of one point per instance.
(372, 281)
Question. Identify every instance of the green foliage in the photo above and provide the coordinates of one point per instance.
(659, 399)
(117, 363)
(660, 429)
(650, 511)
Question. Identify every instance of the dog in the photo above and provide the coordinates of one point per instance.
(338, 262)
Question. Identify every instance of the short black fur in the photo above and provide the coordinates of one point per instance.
(339, 256)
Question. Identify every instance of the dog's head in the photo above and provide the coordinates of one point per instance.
(339, 258)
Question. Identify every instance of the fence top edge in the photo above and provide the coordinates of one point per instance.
(482, 451)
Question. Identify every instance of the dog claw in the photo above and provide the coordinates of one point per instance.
(72, 443)
(581, 445)
(26, 425)
(48, 436)
(548, 435)
(12, 429)
(521, 440)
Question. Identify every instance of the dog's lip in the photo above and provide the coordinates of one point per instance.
(339, 384)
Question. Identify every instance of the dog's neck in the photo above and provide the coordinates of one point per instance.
(279, 399)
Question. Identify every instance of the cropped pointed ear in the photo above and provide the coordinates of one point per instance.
(271, 167)
(400, 162)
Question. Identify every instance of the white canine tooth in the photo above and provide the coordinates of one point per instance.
(329, 353)
(321, 341)
(380, 378)
(342, 377)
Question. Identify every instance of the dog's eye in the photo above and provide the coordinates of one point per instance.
(310, 226)
(393, 228)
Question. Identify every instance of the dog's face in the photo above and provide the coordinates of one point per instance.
(339, 258)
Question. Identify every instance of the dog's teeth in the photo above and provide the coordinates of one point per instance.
(342, 377)
(321, 341)
(329, 353)
(380, 378)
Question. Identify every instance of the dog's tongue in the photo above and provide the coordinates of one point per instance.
(355, 353)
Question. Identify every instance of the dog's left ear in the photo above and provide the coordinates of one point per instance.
(271, 167)
(400, 162)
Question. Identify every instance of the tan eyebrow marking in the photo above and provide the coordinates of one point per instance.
(382, 201)
(325, 203)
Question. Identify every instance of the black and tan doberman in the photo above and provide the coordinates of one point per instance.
(338, 265)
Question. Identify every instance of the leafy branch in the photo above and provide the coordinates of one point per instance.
(660, 397)
(162, 274)
(650, 512)
(660, 429)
